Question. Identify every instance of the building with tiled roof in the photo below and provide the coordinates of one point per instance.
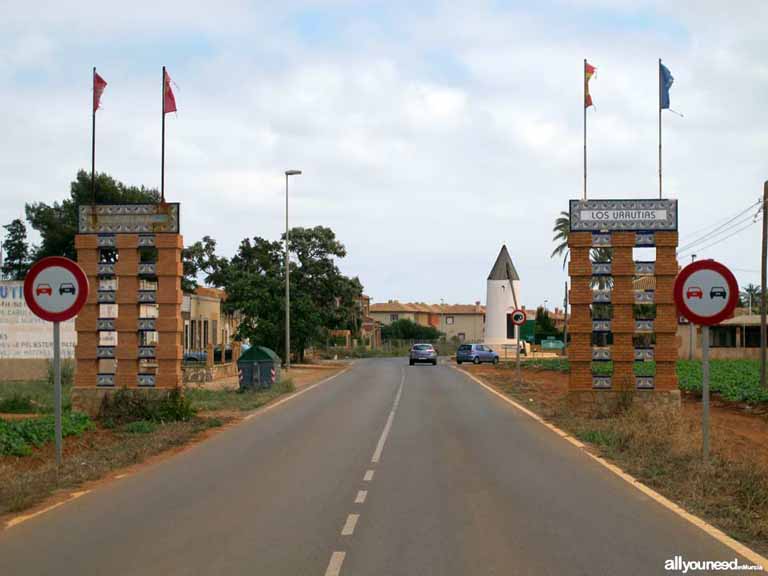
(462, 321)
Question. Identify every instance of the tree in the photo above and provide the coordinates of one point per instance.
(322, 298)
(16, 250)
(406, 329)
(57, 223)
(200, 258)
(562, 230)
(544, 325)
(750, 292)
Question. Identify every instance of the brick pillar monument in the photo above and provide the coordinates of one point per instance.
(129, 334)
(622, 310)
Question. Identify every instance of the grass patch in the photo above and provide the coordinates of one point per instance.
(139, 427)
(26, 481)
(206, 400)
(130, 405)
(17, 438)
(38, 394)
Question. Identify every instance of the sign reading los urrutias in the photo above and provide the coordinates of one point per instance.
(619, 215)
(160, 218)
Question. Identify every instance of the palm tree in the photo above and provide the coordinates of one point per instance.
(751, 292)
(562, 230)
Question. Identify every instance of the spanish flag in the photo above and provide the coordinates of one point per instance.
(589, 71)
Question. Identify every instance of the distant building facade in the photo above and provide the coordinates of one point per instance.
(465, 322)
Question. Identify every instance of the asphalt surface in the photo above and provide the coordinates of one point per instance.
(458, 482)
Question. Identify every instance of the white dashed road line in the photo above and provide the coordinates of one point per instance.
(368, 476)
(349, 525)
(388, 425)
(361, 496)
(334, 566)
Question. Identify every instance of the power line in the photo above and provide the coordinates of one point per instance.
(726, 237)
(703, 228)
(724, 227)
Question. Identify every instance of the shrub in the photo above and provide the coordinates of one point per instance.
(18, 437)
(17, 404)
(126, 406)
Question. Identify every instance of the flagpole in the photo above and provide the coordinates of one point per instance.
(162, 153)
(93, 136)
(584, 105)
(660, 87)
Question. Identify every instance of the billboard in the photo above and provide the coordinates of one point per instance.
(25, 336)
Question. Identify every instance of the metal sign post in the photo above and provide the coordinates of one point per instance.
(57, 389)
(518, 318)
(706, 293)
(705, 393)
(55, 290)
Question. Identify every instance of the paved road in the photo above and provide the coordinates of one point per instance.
(460, 483)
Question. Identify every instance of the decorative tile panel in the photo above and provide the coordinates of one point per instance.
(601, 240)
(601, 382)
(644, 326)
(644, 382)
(644, 296)
(146, 240)
(105, 352)
(645, 239)
(601, 325)
(147, 297)
(645, 268)
(601, 354)
(145, 379)
(644, 354)
(105, 325)
(147, 269)
(147, 325)
(106, 241)
(601, 296)
(601, 268)
(146, 351)
(107, 296)
(105, 380)
(105, 269)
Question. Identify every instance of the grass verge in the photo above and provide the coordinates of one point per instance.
(206, 400)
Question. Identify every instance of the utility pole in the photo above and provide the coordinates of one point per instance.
(763, 282)
(565, 319)
(692, 331)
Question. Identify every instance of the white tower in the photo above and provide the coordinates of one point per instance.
(503, 297)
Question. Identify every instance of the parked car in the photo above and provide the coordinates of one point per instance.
(422, 353)
(476, 353)
(200, 356)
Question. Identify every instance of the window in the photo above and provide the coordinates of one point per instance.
(751, 337)
(722, 337)
(394, 317)
(449, 319)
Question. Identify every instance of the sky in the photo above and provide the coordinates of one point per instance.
(429, 133)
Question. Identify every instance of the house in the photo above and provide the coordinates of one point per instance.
(204, 321)
(465, 322)
(737, 338)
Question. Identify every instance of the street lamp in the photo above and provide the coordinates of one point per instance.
(288, 277)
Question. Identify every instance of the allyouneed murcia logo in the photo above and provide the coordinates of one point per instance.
(679, 564)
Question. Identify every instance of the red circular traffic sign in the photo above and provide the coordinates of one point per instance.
(518, 317)
(706, 292)
(55, 289)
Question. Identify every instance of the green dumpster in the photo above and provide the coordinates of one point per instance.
(258, 368)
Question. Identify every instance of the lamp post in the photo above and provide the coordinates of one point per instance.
(288, 277)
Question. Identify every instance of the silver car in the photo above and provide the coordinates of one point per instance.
(423, 353)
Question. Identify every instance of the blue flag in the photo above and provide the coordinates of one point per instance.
(665, 83)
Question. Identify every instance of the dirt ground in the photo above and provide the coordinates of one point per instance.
(740, 429)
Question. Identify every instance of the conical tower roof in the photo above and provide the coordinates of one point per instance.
(503, 269)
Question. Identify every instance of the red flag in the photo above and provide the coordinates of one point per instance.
(169, 101)
(98, 88)
(589, 71)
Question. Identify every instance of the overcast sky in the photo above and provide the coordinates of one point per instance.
(430, 133)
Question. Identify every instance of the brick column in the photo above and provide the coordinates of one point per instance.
(580, 328)
(666, 312)
(170, 326)
(86, 321)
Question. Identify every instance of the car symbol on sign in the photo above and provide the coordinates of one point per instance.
(718, 292)
(67, 288)
(43, 289)
(694, 292)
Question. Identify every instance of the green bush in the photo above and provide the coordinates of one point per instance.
(67, 372)
(126, 406)
(18, 437)
(17, 404)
